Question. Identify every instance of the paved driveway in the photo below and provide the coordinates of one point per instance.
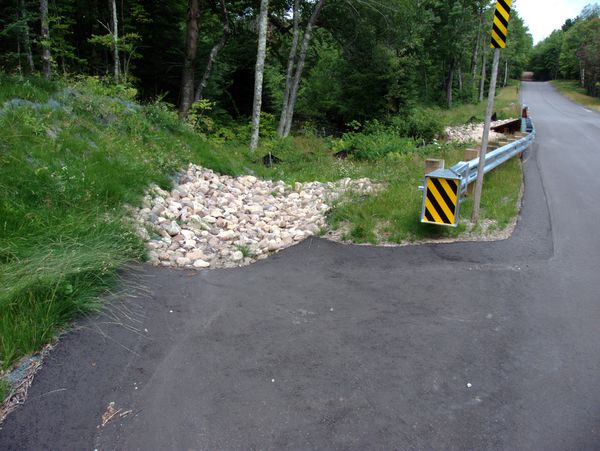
(325, 346)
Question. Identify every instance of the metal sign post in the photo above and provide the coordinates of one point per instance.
(499, 32)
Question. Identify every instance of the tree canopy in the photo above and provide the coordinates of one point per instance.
(364, 60)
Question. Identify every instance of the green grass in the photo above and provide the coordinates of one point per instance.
(4, 390)
(572, 90)
(393, 215)
(74, 154)
(506, 106)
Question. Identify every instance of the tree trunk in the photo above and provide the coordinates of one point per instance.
(214, 52)
(449, 84)
(45, 34)
(115, 38)
(290, 70)
(259, 72)
(300, 67)
(19, 68)
(191, 46)
(460, 80)
(505, 73)
(483, 76)
(26, 39)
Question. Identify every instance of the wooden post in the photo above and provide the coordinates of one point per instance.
(431, 164)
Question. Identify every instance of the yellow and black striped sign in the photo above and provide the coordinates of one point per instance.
(440, 205)
(500, 27)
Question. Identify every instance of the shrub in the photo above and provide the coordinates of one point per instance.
(418, 123)
(374, 145)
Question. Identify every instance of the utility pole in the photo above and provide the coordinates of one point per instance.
(499, 32)
(486, 138)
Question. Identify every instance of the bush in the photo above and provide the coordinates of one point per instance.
(374, 145)
(419, 124)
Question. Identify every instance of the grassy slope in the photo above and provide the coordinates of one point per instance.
(573, 91)
(71, 161)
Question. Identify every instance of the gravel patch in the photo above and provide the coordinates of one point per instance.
(473, 132)
(216, 221)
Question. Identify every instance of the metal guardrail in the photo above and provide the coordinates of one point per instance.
(444, 188)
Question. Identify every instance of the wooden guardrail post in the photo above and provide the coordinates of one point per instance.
(432, 164)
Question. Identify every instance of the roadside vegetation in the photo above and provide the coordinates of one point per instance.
(573, 90)
(4, 389)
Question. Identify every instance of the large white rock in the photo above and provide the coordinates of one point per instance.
(201, 264)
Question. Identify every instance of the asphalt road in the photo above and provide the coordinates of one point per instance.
(326, 346)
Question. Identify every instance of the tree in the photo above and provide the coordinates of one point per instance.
(295, 84)
(259, 72)
(191, 45)
(214, 52)
(45, 41)
(290, 69)
(25, 35)
(115, 39)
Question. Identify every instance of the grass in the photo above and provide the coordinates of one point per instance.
(506, 106)
(393, 214)
(572, 90)
(4, 390)
(74, 154)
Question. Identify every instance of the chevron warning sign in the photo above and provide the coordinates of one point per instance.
(440, 201)
(500, 26)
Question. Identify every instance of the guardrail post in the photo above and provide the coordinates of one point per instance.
(431, 164)
(524, 116)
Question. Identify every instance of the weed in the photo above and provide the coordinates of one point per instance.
(245, 250)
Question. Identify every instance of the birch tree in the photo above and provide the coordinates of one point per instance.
(45, 34)
(259, 72)
(115, 39)
(191, 46)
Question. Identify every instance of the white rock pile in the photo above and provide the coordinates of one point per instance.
(473, 132)
(217, 221)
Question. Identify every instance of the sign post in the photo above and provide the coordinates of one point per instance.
(499, 32)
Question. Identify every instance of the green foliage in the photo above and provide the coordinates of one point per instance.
(33, 89)
(544, 61)
(572, 52)
(375, 144)
(198, 117)
(419, 123)
(377, 140)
